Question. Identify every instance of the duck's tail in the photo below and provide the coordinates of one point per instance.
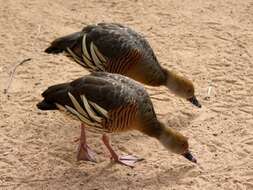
(54, 94)
(61, 44)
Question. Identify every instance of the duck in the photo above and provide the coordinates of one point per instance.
(112, 103)
(115, 48)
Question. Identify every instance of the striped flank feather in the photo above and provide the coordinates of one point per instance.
(93, 115)
(86, 113)
(95, 61)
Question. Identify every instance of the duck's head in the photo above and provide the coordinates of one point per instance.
(182, 87)
(177, 143)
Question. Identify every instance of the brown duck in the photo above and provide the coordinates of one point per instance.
(112, 103)
(118, 49)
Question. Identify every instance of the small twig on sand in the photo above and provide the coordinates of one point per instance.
(160, 99)
(11, 75)
(156, 93)
(208, 93)
(161, 114)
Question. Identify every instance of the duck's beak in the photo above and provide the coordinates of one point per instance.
(189, 156)
(194, 101)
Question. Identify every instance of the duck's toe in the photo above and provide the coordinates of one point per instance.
(128, 160)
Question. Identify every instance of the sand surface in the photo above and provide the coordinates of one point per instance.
(209, 41)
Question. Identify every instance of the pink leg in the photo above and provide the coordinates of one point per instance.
(84, 151)
(125, 160)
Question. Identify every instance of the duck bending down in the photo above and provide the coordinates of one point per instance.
(118, 49)
(112, 103)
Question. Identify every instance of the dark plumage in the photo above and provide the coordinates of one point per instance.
(111, 103)
(118, 49)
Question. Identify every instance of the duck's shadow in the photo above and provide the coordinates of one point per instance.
(112, 173)
(101, 175)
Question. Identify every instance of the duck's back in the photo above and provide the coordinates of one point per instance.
(109, 90)
(113, 40)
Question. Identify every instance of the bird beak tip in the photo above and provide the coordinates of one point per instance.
(194, 101)
(189, 157)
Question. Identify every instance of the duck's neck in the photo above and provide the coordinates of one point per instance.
(171, 80)
(157, 130)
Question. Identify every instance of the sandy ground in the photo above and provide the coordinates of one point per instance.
(209, 41)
